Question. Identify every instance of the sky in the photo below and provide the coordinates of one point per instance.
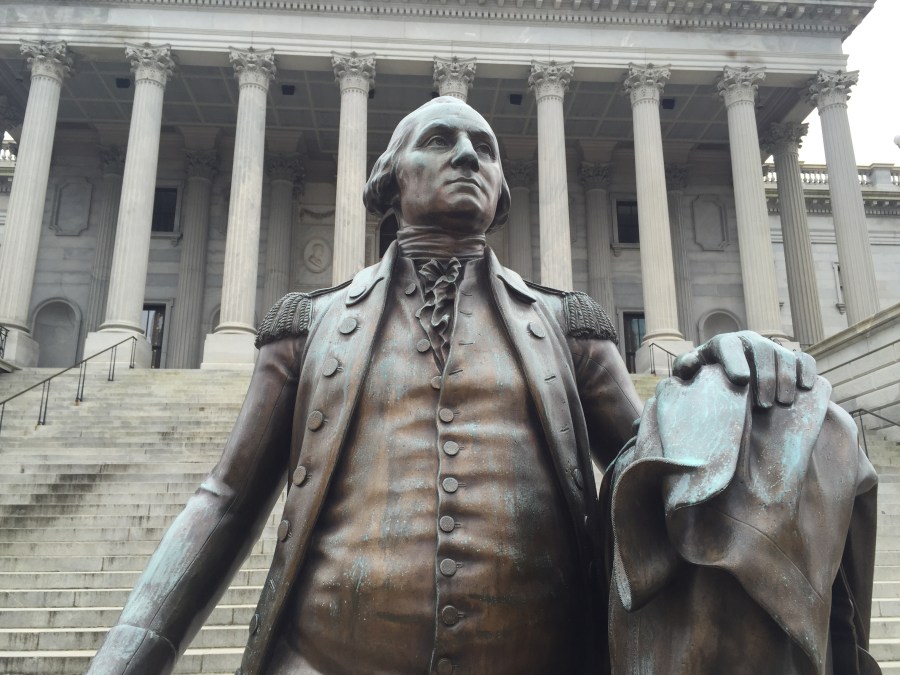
(874, 105)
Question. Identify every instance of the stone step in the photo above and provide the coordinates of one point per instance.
(248, 575)
(885, 649)
(100, 534)
(101, 597)
(17, 622)
(49, 549)
(885, 627)
(95, 563)
(41, 476)
(884, 572)
(886, 589)
(59, 639)
(34, 521)
(159, 487)
(74, 662)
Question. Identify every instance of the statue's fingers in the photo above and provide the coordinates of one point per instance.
(687, 365)
(761, 354)
(806, 371)
(786, 376)
(728, 350)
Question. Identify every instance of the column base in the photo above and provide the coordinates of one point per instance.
(655, 361)
(97, 341)
(229, 351)
(21, 349)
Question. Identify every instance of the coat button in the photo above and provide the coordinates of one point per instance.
(348, 325)
(423, 345)
(315, 420)
(331, 366)
(254, 624)
(446, 415)
(450, 615)
(448, 567)
(451, 448)
(578, 478)
(450, 484)
(446, 523)
(537, 330)
(299, 475)
(284, 527)
(410, 288)
(436, 382)
(444, 667)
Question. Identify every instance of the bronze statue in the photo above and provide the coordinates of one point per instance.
(435, 421)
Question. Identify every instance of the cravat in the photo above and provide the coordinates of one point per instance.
(437, 314)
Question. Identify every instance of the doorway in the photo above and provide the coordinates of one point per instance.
(633, 329)
(153, 321)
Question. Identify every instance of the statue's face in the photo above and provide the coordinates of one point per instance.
(449, 173)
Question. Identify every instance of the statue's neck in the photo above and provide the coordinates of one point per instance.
(421, 242)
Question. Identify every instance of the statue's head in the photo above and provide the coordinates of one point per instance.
(441, 167)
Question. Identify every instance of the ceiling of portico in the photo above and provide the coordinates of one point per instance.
(208, 95)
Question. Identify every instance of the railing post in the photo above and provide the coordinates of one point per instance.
(45, 400)
(133, 348)
(82, 375)
(111, 374)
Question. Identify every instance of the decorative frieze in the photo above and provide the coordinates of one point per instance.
(354, 71)
(454, 76)
(253, 67)
(151, 63)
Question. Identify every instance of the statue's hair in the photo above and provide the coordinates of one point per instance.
(382, 193)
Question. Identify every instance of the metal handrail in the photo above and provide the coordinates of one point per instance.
(670, 358)
(82, 376)
(4, 331)
(858, 413)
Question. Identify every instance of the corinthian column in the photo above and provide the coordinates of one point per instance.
(231, 344)
(644, 85)
(454, 76)
(737, 87)
(152, 66)
(595, 178)
(830, 91)
(549, 82)
(49, 63)
(112, 161)
(676, 181)
(783, 141)
(284, 172)
(355, 74)
(201, 169)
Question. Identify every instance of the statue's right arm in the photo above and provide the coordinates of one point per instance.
(209, 540)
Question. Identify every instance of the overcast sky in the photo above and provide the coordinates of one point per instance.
(874, 105)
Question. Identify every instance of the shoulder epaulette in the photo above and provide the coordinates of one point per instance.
(289, 317)
(587, 319)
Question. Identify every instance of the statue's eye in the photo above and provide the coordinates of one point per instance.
(437, 141)
(485, 149)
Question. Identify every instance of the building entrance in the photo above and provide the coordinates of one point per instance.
(633, 330)
(153, 321)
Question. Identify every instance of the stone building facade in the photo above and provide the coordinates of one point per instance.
(182, 163)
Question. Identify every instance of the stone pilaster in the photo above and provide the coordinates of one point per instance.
(231, 344)
(644, 84)
(285, 173)
(549, 81)
(355, 75)
(520, 177)
(737, 86)
(152, 67)
(830, 91)
(783, 141)
(676, 182)
(49, 63)
(201, 168)
(595, 178)
(454, 76)
(112, 164)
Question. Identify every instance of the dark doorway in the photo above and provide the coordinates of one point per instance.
(634, 330)
(153, 320)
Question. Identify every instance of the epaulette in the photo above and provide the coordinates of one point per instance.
(289, 317)
(586, 319)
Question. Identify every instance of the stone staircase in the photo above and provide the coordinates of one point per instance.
(85, 499)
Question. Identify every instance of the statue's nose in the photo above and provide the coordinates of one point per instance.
(464, 154)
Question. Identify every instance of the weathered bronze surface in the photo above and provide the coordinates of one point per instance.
(434, 421)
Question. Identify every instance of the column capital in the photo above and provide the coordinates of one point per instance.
(285, 167)
(454, 76)
(739, 84)
(112, 160)
(154, 63)
(519, 173)
(353, 71)
(784, 138)
(831, 87)
(594, 176)
(549, 79)
(253, 67)
(201, 164)
(11, 116)
(676, 177)
(47, 59)
(646, 83)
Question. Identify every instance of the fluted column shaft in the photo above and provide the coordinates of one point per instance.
(454, 76)
(519, 176)
(283, 171)
(152, 67)
(355, 75)
(783, 141)
(49, 62)
(112, 161)
(830, 91)
(738, 89)
(644, 85)
(596, 184)
(676, 181)
(549, 82)
(186, 316)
